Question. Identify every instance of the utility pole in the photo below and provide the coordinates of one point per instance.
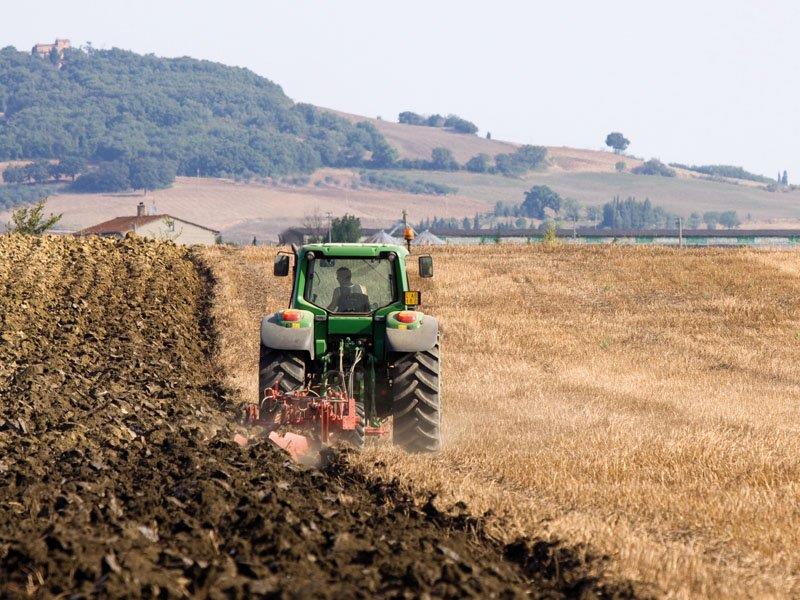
(329, 214)
(680, 232)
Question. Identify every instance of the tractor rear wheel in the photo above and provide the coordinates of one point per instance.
(284, 367)
(356, 437)
(416, 405)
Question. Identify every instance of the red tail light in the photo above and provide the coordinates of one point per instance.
(291, 315)
(406, 317)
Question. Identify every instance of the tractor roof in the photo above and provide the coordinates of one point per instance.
(354, 250)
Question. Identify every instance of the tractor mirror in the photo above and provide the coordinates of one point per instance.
(281, 267)
(425, 266)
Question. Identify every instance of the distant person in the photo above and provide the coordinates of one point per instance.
(349, 296)
(255, 241)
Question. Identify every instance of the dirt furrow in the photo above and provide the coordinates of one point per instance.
(123, 481)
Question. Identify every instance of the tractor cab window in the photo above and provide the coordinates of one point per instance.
(350, 285)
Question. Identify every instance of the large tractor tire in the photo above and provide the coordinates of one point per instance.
(283, 366)
(416, 405)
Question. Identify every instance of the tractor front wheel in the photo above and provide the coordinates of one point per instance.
(286, 368)
(416, 405)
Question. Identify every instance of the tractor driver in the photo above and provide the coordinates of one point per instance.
(349, 296)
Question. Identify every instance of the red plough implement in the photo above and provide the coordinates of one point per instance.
(323, 417)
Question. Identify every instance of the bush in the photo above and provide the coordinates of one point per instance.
(524, 159)
(435, 121)
(729, 219)
(346, 229)
(724, 171)
(411, 118)
(387, 181)
(619, 166)
(653, 167)
(30, 220)
(442, 160)
(478, 163)
(460, 125)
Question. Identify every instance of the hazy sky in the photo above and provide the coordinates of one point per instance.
(695, 82)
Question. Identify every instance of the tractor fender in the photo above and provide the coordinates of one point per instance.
(275, 335)
(413, 340)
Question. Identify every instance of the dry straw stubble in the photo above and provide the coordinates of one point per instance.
(643, 401)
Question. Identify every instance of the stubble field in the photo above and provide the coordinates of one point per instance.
(643, 402)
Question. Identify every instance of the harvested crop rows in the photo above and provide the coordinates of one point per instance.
(119, 476)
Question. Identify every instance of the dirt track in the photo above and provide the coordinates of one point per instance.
(118, 476)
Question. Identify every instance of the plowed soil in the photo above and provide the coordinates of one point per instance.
(119, 476)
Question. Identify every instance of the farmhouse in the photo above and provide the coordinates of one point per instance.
(156, 227)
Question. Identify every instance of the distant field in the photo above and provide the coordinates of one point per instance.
(676, 194)
(241, 211)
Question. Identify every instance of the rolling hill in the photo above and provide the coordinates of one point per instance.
(242, 130)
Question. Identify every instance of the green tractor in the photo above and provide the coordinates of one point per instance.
(351, 350)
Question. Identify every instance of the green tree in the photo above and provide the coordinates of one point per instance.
(460, 125)
(711, 219)
(435, 121)
(54, 171)
(346, 229)
(594, 213)
(729, 219)
(442, 160)
(38, 171)
(150, 174)
(617, 141)
(571, 209)
(466, 224)
(620, 166)
(654, 167)
(14, 175)
(694, 220)
(109, 177)
(539, 198)
(71, 166)
(30, 220)
(383, 155)
(527, 157)
(411, 118)
(478, 163)
(785, 178)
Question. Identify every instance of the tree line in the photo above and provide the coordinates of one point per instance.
(525, 158)
(543, 205)
(453, 122)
